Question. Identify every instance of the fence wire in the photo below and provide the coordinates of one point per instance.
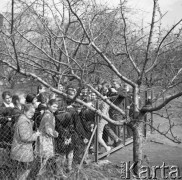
(78, 143)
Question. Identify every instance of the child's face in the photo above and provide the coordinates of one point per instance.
(53, 96)
(42, 90)
(84, 91)
(8, 99)
(71, 92)
(35, 103)
(30, 112)
(116, 85)
(53, 108)
(22, 99)
(93, 96)
(18, 102)
(105, 89)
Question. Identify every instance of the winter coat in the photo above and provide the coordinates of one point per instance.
(118, 101)
(6, 134)
(87, 119)
(67, 138)
(39, 113)
(11, 105)
(104, 108)
(21, 149)
(46, 145)
(16, 112)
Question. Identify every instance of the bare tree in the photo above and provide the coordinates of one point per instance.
(75, 39)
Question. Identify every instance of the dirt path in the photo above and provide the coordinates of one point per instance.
(157, 154)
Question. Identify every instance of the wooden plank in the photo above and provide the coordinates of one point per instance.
(129, 141)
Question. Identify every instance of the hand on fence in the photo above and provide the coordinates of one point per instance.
(38, 133)
(56, 134)
(67, 141)
(42, 112)
(92, 127)
(85, 140)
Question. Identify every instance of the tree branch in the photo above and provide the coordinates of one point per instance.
(117, 123)
(160, 106)
(159, 47)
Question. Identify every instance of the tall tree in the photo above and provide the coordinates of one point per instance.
(75, 39)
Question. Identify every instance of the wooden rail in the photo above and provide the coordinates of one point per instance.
(129, 141)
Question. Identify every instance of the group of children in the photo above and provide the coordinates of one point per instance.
(42, 125)
(45, 124)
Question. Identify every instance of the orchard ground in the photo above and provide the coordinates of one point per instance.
(157, 148)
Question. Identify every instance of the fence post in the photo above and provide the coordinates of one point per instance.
(96, 133)
(124, 135)
(152, 116)
(145, 118)
(125, 129)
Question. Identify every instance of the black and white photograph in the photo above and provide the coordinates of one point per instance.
(90, 89)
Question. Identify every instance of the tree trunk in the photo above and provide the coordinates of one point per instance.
(137, 146)
(137, 127)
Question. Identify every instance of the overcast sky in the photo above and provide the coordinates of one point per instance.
(172, 7)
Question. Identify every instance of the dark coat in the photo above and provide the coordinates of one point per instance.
(87, 120)
(39, 113)
(17, 112)
(118, 101)
(6, 134)
(67, 138)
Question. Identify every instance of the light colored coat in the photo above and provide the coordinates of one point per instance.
(21, 149)
(46, 147)
(104, 108)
